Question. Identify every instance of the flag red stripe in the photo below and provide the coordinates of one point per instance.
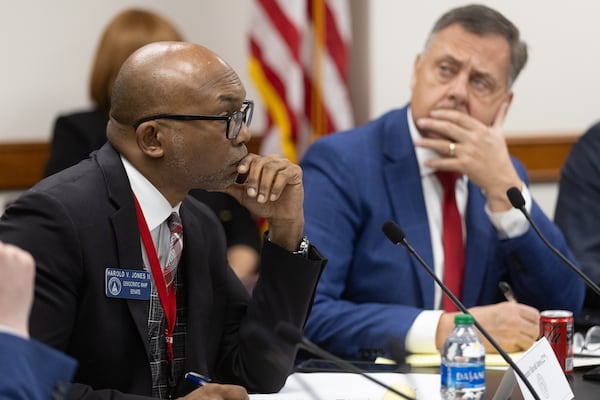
(335, 44)
(278, 85)
(284, 26)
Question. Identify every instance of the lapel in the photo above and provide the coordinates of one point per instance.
(403, 183)
(480, 237)
(124, 223)
(196, 283)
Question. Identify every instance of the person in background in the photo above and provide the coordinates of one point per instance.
(440, 168)
(29, 370)
(133, 279)
(77, 134)
(577, 212)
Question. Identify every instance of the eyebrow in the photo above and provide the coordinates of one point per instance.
(475, 72)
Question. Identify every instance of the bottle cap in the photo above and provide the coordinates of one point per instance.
(463, 319)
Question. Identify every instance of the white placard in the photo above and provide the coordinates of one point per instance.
(541, 368)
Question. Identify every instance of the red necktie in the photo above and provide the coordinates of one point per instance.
(452, 239)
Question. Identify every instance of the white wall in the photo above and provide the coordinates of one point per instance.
(559, 89)
(48, 47)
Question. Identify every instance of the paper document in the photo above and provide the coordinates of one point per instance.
(347, 386)
(434, 359)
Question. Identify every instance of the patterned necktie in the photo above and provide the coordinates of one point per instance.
(452, 239)
(175, 248)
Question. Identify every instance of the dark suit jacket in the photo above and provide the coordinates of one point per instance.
(79, 222)
(32, 371)
(372, 291)
(578, 205)
(74, 137)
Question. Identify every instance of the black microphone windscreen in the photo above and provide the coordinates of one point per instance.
(288, 332)
(515, 197)
(393, 232)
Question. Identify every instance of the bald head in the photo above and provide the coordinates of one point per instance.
(165, 77)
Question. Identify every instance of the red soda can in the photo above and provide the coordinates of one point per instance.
(557, 327)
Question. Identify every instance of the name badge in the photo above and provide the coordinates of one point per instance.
(127, 283)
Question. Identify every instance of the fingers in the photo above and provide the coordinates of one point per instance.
(17, 268)
(501, 116)
(267, 177)
(451, 124)
(515, 327)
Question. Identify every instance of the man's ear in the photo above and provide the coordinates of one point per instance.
(148, 136)
(416, 66)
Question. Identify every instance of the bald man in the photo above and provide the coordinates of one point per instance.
(106, 239)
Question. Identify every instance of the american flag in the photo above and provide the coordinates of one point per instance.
(299, 64)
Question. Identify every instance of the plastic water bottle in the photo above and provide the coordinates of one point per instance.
(463, 362)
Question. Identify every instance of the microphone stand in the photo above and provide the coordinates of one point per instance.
(518, 202)
(462, 308)
(291, 334)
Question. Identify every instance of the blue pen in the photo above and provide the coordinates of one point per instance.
(198, 379)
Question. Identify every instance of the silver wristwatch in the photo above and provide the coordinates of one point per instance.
(303, 247)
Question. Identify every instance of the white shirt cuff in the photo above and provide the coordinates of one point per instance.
(511, 223)
(421, 335)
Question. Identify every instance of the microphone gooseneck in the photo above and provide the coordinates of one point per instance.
(393, 232)
(516, 199)
(291, 334)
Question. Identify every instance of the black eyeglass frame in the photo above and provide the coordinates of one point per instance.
(244, 115)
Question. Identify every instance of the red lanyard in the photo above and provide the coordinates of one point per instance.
(167, 298)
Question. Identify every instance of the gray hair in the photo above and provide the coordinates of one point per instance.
(482, 20)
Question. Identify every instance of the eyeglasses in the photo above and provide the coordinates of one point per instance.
(234, 120)
(588, 345)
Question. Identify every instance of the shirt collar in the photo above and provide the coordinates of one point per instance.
(154, 205)
(423, 155)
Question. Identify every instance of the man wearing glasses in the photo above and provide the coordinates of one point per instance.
(133, 279)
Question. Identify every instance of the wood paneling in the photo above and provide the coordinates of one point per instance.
(542, 155)
(22, 164)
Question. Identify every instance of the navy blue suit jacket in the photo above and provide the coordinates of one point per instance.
(372, 291)
(32, 371)
(577, 212)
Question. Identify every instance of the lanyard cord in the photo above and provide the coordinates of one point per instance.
(168, 299)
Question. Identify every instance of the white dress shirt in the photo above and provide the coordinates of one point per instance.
(509, 224)
(156, 209)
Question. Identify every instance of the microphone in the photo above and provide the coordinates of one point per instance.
(516, 199)
(393, 232)
(291, 334)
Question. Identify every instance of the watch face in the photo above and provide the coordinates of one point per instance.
(303, 247)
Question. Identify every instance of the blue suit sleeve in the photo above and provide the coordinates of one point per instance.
(538, 276)
(342, 320)
(31, 370)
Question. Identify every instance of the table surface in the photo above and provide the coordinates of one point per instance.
(582, 388)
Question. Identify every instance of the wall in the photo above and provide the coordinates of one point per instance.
(48, 47)
(557, 91)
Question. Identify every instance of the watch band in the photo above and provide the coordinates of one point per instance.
(303, 247)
